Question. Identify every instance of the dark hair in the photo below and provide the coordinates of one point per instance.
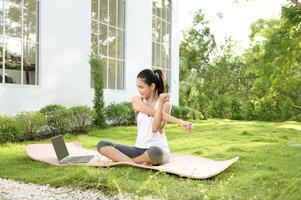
(153, 76)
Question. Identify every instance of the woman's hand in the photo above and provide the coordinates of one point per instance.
(186, 125)
(163, 97)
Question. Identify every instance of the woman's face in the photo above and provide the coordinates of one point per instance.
(145, 90)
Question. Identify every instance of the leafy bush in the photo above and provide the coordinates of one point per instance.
(186, 113)
(248, 110)
(297, 118)
(266, 109)
(31, 122)
(10, 129)
(58, 118)
(82, 118)
(120, 114)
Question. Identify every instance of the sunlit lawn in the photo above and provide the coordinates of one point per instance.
(267, 169)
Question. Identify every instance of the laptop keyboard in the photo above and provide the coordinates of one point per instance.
(77, 159)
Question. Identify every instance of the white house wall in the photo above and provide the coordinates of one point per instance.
(64, 53)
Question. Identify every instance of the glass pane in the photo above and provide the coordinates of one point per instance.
(163, 14)
(166, 7)
(1, 18)
(163, 57)
(30, 20)
(169, 12)
(153, 53)
(153, 28)
(154, 7)
(157, 29)
(160, 27)
(1, 59)
(13, 61)
(94, 27)
(120, 44)
(103, 15)
(13, 19)
(103, 41)
(1, 40)
(29, 63)
(94, 44)
(112, 12)
(112, 74)
(158, 4)
(168, 59)
(94, 9)
(112, 40)
(120, 75)
(167, 36)
(162, 31)
(158, 54)
(121, 14)
(105, 70)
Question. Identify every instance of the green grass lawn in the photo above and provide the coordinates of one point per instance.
(267, 169)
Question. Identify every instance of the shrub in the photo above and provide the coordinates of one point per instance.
(120, 114)
(266, 109)
(10, 129)
(248, 110)
(58, 118)
(31, 122)
(82, 118)
(197, 114)
(297, 118)
(97, 77)
(176, 111)
(186, 113)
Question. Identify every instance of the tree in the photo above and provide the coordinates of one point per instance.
(195, 52)
(263, 83)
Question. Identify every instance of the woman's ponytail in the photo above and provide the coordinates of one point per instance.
(160, 83)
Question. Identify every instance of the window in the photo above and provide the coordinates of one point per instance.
(161, 34)
(19, 41)
(108, 30)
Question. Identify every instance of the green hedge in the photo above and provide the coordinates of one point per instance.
(120, 114)
(186, 113)
(10, 129)
(82, 118)
(31, 122)
(49, 121)
(58, 118)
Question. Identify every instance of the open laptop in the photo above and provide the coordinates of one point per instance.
(62, 153)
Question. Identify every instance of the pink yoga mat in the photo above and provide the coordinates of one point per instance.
(191, 166)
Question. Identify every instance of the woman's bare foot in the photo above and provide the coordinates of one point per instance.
(146, 164)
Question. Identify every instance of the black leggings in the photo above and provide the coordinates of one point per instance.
(156, 154)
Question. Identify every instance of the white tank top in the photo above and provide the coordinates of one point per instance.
(145, 135)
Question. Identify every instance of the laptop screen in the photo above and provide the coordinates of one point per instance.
(59, 147)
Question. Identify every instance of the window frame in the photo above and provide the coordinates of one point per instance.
(22, 40)
(167, 68)
(108, 58)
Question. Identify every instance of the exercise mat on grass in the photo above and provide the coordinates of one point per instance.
(191, 166)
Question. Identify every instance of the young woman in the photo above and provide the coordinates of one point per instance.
(152, 112)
